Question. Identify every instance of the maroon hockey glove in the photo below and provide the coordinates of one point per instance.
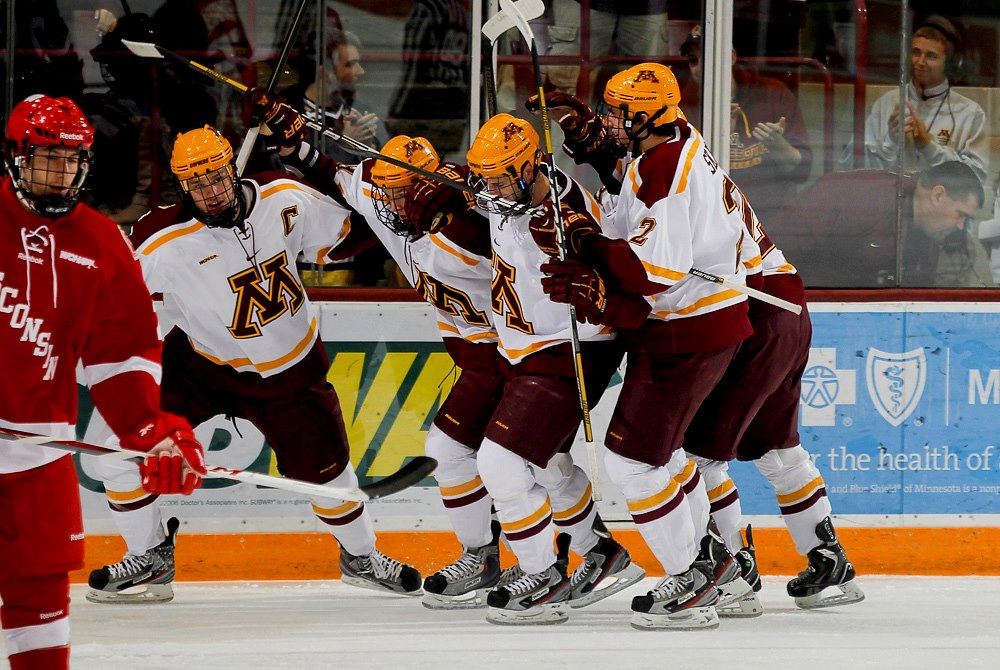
(430, 204)
(285, 125)
(585, 138)
(176, 459)
(577, 226)
(581, 286)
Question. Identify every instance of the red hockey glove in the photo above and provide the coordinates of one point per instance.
(430, 204)
(176, 459)
(577, 226)
(585, 138)
(581, 286)
(284, 126)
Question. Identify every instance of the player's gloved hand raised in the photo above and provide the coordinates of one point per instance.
(577, 226)
(429, 204)
(577, 284)
(176, 459)
(585, 138)
(283, 127)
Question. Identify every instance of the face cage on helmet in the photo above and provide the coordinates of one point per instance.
(382, 201)
(520, 193)
(52, 206)
(230, 216)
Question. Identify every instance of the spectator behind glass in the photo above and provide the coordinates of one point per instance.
(331, 92)
(841, 230)
(433, 97)
(46, 60)
(617, 28)
(769, 151)
(939, 123)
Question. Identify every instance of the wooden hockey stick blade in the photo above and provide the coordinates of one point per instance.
(410, 474)
(746, 290)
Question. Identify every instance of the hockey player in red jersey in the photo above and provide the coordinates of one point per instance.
(246, 345)
(70, 292)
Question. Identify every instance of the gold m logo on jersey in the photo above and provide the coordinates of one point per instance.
(450, 300)
(257, 306)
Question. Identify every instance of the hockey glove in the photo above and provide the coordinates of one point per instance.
(285, 128)
(577, 226)
(430, 204)
(176, 459)
(585, 139)
(579, 285)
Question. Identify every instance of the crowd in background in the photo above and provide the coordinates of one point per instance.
(412, 75)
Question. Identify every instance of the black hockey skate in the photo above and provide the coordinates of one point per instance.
(143, 578)
(605, 570)
(682, 602)
(828, 567)
(465, 583)
(536, 599)
(736, 597)
(378, 572)
(747, 559)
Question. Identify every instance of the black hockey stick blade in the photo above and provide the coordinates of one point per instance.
(409, 475)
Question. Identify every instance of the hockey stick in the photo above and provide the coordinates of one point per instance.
(512, 9)
(350, 145)
(408, 475)
(251, 139)
(746, 290)
(492, 30)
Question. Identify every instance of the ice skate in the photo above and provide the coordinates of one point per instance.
(378, 572)
(510, 575)
(747, 560)
(465, 583)
(143, 578)
(605, 570)
(535, 599)
(828, 567)
(682, 602)
(736, 597)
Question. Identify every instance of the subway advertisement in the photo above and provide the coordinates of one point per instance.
(900, 409)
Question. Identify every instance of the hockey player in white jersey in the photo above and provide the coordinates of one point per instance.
(674, 213)
(444, 249)
(245, 344)
(522, 459)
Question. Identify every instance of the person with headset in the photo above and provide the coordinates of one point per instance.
(938, 124)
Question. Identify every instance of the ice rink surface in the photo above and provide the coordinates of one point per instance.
(906, 622)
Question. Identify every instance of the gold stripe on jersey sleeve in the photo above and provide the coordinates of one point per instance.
(682, 184)
(157, 242)
(237, 363)
(277, 188)
(713, 299)
(517, 353)
(475, 337)
(753, 262)
(468, 260)
(657, 271)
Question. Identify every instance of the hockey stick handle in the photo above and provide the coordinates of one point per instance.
(243, 157)
(352, 146)
(746, 290)
(354, 494)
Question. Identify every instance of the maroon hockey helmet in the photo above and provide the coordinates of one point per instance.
(42, 122)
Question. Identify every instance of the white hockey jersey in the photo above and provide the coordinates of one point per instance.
(237, 294)
(526, 319)
(449, 267)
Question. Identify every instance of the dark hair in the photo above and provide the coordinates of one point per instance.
(959, 180)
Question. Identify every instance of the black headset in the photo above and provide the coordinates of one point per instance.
(954, 64)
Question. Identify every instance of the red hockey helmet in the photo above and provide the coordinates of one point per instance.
(46, 177)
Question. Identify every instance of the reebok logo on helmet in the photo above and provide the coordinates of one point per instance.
(71, 136)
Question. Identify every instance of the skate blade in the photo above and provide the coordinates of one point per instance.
(849, 593)
(610, 585)
(150, 593)
(738, 601)
(540, 615)
(696, 618)
(747, 607)
(362, 583)
(467, 601)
